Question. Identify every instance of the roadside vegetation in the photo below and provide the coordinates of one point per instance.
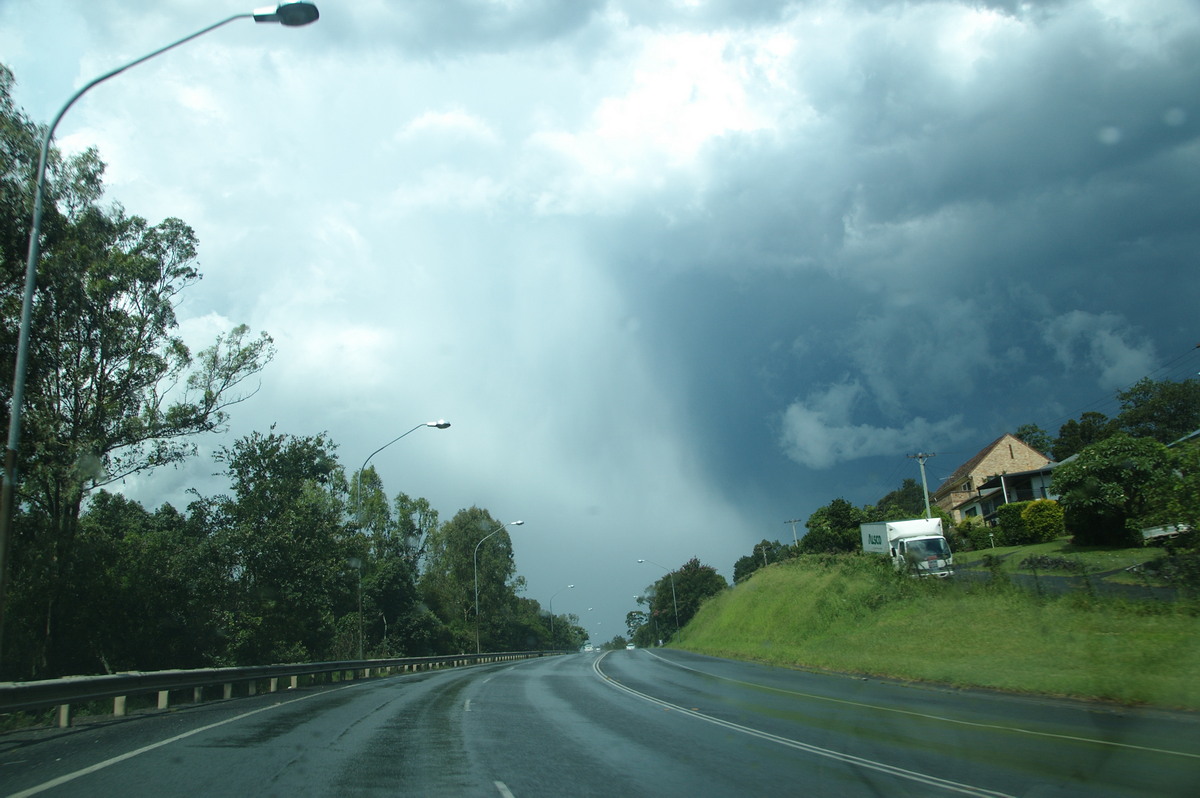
(854, 614)
(300, 560)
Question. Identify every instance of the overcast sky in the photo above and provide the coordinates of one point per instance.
(676, 272)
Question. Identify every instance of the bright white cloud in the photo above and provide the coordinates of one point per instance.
(455, 122)
(817, 432)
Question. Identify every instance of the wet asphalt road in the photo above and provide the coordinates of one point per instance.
(629, 723)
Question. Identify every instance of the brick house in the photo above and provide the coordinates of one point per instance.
(1005, 455)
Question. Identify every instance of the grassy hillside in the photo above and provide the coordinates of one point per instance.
(853, 614)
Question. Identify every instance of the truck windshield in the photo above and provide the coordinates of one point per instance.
(928, 548)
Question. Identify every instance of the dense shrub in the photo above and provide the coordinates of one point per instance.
(1012, 531)
(956, 536)
(976, 533)
(1043, 520)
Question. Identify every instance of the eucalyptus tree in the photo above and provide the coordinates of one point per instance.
(284, 548)
(111, 389)
(470, 549)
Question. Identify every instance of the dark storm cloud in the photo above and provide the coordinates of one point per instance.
(1005, 215)
(460, 27)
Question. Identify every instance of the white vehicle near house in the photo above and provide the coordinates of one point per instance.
(917, 545)
(1157, 534)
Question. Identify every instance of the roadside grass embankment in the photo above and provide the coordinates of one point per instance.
(853, 614)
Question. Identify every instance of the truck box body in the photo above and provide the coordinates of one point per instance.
(918, 545)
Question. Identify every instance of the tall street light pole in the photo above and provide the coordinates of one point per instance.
(357, 562)
(287, 14)
(671, 574)
(568, 587)
(475, 557)
(440, 424)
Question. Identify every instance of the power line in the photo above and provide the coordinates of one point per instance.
(1175, 367)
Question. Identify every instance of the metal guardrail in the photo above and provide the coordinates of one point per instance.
(61, 693)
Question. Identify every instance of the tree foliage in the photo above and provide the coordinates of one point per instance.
(472, 551)
(111, 389)
(833, 528)
(1074, 436)
(907, 501)
(1112, 487)
(764, 553)
(283, 545)
(1162, 410)
(1034, 436)
(676, 597)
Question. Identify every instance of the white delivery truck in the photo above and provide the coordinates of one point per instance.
(918, 545)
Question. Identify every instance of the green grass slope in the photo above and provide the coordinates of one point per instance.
(853, 614)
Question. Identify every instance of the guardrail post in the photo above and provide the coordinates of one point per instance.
(197, 695)
(274, 684)
(252, 688)
(64, 715)
(164, 699)
(119, 706)
(228, 690)
(295, 682)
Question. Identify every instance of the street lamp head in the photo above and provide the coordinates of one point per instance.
(641, 560)
(571, 586)
(516, 523)
(291, 15)
(440, 423)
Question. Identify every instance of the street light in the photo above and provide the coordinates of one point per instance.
(440, 424)
(568, 587)
(287, 14)
(671, 574)
(475, 557)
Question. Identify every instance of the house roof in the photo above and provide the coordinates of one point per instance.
(969, 467)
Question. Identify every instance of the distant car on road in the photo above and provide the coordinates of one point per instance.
(630, 646)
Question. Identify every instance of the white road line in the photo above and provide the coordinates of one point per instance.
(504, 791)
(144, 749)
(467, 706)
(891, 770)
(926, 716)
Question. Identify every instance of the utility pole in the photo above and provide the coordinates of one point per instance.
(793, 522)
(921, 457)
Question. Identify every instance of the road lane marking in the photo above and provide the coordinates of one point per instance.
(849, 759)
(926, 716)
(467, 706)
(147, 748)
(503, 790)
